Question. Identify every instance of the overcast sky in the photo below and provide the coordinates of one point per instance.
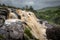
(37, 4)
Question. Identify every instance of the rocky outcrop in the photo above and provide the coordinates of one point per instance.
(12, 30)
(4, 13)
(53, 33)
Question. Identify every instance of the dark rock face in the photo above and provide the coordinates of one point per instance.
(4, 12)
(3, 15)
(12, 31)
(53, 33)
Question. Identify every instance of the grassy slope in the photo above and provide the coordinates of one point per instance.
(49, 13)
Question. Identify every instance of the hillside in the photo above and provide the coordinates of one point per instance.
(51, 14)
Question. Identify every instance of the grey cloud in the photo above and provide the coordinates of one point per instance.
(37, 4)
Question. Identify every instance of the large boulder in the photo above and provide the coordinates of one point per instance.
(53, 33)
(12, 29)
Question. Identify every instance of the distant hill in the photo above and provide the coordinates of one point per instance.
(49, 8)
(51, 14)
